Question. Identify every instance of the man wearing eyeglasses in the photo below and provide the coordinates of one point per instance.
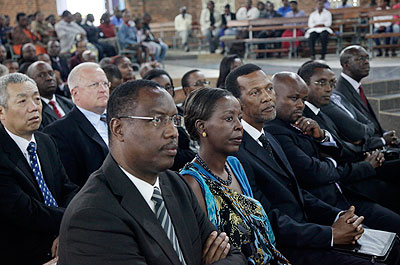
(133, 210)
(82, 135)
(54, 106)
(193, 80)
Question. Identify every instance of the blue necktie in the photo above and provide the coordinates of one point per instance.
(48, 198)
(165, 220)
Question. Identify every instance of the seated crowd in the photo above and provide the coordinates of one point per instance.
(257, 171)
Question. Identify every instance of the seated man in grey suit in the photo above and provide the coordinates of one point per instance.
(34, 188)
(54, 106)
(81, 135)
(133, 210)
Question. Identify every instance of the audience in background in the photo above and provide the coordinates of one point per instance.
(284, 9)
(114, 76)
(247, 12)
(68, 31)
(3, 70)
(12, 66)
(39, 27)
(3, 53)
(77, 58)
(193, 80)
(106, 27)
(183, 27)
(383, 27)
(210, 22)
(227, 64)
(22, 34)
(125, 66)
(294, 12)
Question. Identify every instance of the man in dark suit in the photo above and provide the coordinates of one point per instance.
(305, 227)
(54, 106)
(355, 63)
(303, 142)
(81, 135)
(127, 205)
(321, 81)
(58, 63)
(34, 188)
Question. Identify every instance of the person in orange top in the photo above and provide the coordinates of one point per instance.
(21, 34)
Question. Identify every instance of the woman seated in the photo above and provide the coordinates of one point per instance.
(125, 66)
(227, 65)
(213, 117)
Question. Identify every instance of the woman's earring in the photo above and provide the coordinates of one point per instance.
(204, 134)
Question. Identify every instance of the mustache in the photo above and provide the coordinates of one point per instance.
(171, 145)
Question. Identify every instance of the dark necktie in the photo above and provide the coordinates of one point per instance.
(363, 97)
(33, 161)
(52, 103)
(266, 144)
(212, 19)
(165, 220)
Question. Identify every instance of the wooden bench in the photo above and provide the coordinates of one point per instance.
(371, 36)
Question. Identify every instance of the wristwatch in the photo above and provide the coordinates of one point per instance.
(326, 136)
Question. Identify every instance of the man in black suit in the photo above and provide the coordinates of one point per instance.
(355, 63)
(54, 106)
(34, 188)
(127, 205)
(81, 135)
(305, 143)
(374, 185)
(59, 65)
(305, 227)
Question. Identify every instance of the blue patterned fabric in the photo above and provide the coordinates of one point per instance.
(239, 215)
(47, 196)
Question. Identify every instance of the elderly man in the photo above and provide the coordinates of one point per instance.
(183, 26)
(296, 215)
(138, 212)
(81, 135)
(34, 188)
(54, 106)
(67, 30)
(355, 63)
(309, 150)
(210, 22)
(193, 80)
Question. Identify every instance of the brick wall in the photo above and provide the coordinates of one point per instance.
(12, 7)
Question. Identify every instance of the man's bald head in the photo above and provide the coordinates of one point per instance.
(291, 92)
(355, 62)
(347, 53)
(77, 75)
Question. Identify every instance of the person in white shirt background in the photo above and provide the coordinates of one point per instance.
(247, 11)
(183, 26)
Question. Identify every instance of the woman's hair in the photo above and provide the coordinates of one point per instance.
(154, 73)
(225, 69)
(200, 105)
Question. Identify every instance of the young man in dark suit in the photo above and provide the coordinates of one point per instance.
(307, 146)
(81, 135)
(34, 188)
(133, 208)
(305, 227)
(54, 106)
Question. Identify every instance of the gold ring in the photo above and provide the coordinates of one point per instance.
(308, 123)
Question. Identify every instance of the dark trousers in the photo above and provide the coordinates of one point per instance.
(323, 36)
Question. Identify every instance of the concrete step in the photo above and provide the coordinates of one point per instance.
(381, 88)
(390, 119)
(385, 102)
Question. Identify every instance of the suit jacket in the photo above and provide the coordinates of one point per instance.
(314, 173)
(82, 149)
(61, 65)
(224, 22)
(348, 91)
(28, 226)
(48, 114)
(109, 222)
(298, 218)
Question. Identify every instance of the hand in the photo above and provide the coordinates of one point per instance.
(309, 127)
(390, 137)
(54, 248)
(348, 228)
(375, 158)
(215, 248)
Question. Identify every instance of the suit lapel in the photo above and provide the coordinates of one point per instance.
(88, 129)
(132, 201)
(48, 110)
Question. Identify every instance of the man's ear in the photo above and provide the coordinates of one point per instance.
(2, 112)
(74, 93)
(117, 129)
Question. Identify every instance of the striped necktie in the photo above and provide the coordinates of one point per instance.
(165, 220)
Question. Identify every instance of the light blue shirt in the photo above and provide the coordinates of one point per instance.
(100, 126)
(126, 35)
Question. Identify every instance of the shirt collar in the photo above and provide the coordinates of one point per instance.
(253, 132)
(48, 100)
(312, 107)
(22, 143)
(93, 118)
(145, 188)
(356, 85)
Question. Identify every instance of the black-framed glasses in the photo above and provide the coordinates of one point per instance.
(324, 82)
(200, 83)
(157, 121)
(97, 84)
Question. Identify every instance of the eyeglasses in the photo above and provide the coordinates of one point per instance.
(177, 120)
(362, 58)
(323, 83)
(169, 87)
(97, 84)
(200, 83)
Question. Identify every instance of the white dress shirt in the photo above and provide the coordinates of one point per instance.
(22, 144)
(244, 14)
(145, 188)
(58, 107)
(253, 132)
(316, 18)
(205, 22)
(100, 126)
(183, 23)
(384, 24)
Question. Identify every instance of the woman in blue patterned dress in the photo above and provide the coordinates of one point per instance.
(212, 117)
